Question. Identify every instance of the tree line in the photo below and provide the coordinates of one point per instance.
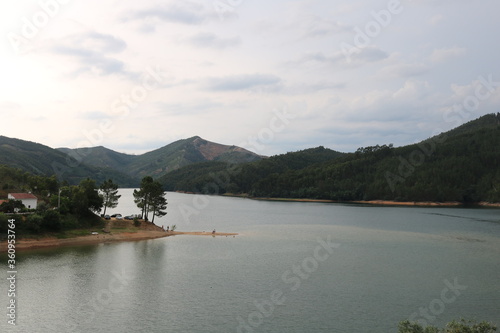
(64, 207)
(461, 165)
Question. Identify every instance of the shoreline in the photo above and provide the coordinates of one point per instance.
(374, 202)
(409, 203)
(53, 242)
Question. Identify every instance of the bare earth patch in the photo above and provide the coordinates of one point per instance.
(128, 233)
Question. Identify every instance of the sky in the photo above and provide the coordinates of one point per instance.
(270, 76)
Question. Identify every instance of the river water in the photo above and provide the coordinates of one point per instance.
(294, 267)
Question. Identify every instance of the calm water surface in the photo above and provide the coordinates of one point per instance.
(295, 267)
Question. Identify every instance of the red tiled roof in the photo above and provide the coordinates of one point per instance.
(2, 201)
(20, 196)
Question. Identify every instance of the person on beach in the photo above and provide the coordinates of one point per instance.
(168, 227)
(213, 232)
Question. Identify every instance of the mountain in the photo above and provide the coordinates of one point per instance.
(43, 160)
(213, 177)
(100, 157)
(161, 161)
(459, 165)
(100, 163)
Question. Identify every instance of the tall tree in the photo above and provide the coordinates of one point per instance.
(109, 194)
(141, 196)
(85, 198)
(157, 201)
(150, 198)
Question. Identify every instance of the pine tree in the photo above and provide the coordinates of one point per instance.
(157, 200)
(143, 195)
(109, 194)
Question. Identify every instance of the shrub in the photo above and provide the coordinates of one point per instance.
(4, 222)
(34, 223)
(69, 222)
(42, 207)
(462, 326)
(51, 221)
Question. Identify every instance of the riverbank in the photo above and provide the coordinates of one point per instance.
(373, 202)
(46, 242)
(409, 203)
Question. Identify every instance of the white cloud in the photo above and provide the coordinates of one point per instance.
(404, 70)
(91, 50)
(445, 54)
(314, 26)
(210, 40)
(185, 12)
(224, 77)
(242, 82)
(359, 57)
(436, 19)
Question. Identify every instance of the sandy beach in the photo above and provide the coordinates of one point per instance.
(148, 232)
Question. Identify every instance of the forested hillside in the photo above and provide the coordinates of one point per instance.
(162, 160)
(460, 165)
(202, 177)
(17, 180)
(100, 163)
(45, 161)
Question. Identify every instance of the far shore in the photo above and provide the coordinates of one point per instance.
(367, 202)
(410, 203)
(48, 242)
(370, 202)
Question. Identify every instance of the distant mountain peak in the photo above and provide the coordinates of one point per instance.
(165, 159)
(211, 150)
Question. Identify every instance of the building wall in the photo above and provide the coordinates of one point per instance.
(29, 203)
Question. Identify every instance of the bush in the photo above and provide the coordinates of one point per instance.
(69, 222)
(4, 223)
(11, 206)
(461, 326)
(42, 207)
(51, 221)
(137, 223)
(33, 224)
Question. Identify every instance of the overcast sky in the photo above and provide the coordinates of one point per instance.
(272, 76)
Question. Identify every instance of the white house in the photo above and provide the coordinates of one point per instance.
(28, 199)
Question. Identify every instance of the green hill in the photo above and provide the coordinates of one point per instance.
(42, 160)
(221, 177)
(100, 163)
(460, 165)
(99, 157)
(161, 161)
